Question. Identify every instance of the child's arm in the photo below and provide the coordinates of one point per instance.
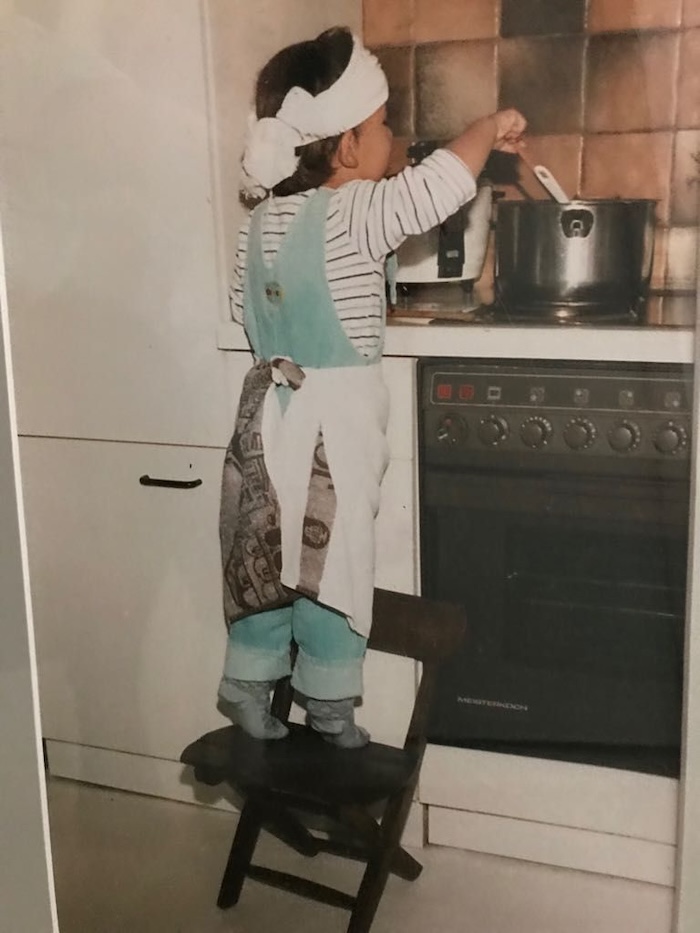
(503, 130)
(378, 216)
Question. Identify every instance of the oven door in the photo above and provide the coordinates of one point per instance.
(575, 592)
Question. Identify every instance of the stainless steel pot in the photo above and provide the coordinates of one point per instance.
(587, 253)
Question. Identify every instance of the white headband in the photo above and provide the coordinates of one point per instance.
(270, 156)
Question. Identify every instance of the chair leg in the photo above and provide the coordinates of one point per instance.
(287, 828)
(380, 863)
(242, 848)
(403, 864)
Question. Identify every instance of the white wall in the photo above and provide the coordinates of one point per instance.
(26, 882)
(269, 26)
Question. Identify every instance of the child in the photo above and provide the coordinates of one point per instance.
(302, 474)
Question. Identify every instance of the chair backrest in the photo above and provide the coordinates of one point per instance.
(425, 630)
(414, 627)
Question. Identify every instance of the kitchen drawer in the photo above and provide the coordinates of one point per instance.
(126, 591)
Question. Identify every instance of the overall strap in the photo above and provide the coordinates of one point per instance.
(289, 309)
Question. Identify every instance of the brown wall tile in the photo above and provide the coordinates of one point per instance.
(639, 87)
(620, 15)
(455, 84)
(685, 179)
(629, 165)
(446, 20)
(397, 62)
(689, 80)
(631, 82)
(542, 77)
(682, 268)
(387, 22)
(542, 17)
(561, 155)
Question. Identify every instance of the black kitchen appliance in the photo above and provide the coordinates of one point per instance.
(554, 503)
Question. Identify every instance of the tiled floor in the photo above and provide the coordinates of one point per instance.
(131, 864)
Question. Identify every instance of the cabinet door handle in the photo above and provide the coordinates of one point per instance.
(147, 480)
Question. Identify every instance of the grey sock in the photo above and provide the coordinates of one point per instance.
(335, 720)
(247, 702)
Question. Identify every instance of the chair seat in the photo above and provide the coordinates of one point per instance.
(302, 766)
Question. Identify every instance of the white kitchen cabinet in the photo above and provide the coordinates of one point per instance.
(113, 282)
(127, 592)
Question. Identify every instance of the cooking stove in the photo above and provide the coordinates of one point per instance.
(570, 314)
(451, 303)
(554, 504)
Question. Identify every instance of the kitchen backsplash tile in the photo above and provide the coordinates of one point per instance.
(691, 12)
(629, 165)
(455, 84)
(631, 82)
(445, 20)
(397, 62)
(689, 80)
(622, 15)
(685, 179)
(682, 265)
(543, 77)
(561, 155)
(606, 92)
(542, 17)
(387, 22)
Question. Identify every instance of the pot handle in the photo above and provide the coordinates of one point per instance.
(577, 222)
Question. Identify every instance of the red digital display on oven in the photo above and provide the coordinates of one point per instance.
(444, 391)
(466, 392)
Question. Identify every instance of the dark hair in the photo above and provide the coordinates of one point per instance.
(313, 65)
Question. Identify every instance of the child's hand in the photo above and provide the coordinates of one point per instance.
(510, 127)
(502, 130)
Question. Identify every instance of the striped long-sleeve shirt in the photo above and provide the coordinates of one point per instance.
(366, 221)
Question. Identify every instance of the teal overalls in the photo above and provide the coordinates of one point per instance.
(289, 312)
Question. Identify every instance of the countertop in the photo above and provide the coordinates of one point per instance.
(652, 344)
(442, 322)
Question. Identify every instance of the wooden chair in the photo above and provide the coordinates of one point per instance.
(302, 773)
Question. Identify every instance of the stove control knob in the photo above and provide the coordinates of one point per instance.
(535, 432)
(580, 434)
(624, 436)
(493, 430)
(451, 431)
(671, 438)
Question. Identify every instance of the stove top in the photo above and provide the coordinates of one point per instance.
(449, 303)
(557, 315)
